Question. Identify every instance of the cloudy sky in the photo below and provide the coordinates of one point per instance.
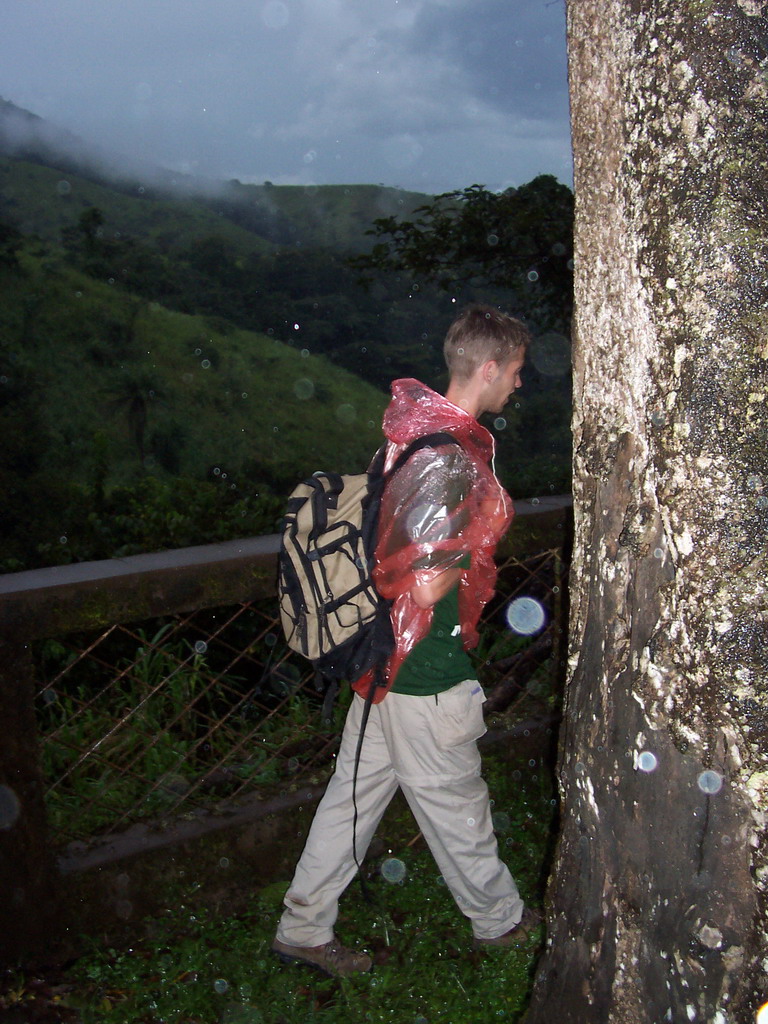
(425, 94)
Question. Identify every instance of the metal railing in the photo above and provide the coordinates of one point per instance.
(161, 685)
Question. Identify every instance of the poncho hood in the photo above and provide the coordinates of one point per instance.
(416, 410)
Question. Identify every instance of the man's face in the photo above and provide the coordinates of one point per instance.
(504, 384)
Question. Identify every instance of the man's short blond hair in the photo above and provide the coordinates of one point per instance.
(479, 334)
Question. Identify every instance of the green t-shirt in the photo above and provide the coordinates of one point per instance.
(439, 660)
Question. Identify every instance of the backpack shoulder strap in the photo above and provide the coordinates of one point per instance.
(427, 441)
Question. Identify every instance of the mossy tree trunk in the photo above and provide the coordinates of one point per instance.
(657, 904)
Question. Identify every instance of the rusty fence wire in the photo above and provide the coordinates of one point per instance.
(189, 713)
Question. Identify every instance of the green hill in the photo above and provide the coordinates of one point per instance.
(47, 201)
(101, 392)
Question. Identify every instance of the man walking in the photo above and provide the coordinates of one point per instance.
(442, 515)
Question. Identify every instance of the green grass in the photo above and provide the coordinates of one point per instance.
(192, 965)
(225, 971)
(238, 401)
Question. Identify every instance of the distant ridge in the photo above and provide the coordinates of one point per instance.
(27, 136)
(328, 216)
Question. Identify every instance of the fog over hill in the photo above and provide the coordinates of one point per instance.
(337, 216)
(25, 136)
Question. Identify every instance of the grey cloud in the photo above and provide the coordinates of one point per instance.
(303, 90)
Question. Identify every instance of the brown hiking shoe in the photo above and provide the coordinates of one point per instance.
(516, 936)
(331, 958)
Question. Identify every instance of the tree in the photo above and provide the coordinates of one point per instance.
(519, 239)
(657, 903)
(11, 241)
(87, 233)
(132, 394)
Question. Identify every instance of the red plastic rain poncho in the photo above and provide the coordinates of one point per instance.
(443, 504)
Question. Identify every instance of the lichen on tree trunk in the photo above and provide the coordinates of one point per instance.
(658, 893)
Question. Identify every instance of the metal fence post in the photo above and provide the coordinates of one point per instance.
(28, 877)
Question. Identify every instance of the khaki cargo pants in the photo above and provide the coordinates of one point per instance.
(426, 746)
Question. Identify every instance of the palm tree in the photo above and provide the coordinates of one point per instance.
(132, 394)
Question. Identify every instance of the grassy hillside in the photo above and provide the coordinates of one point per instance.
(229, 397)
(334, 216)
(101, 391)
(46, 201)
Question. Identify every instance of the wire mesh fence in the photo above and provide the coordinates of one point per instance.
(191, 712)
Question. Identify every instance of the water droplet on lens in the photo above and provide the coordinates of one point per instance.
(393, 869)
(525, 616)
(551, 354)
(201, 646)
(220, 985)
(499, 423)
(346, 413)
(647, 762)
(10, 808)
(533, 275)
(275, 15)
(303, 388)
(710, 782)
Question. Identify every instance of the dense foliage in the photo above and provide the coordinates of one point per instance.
(519, 240)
